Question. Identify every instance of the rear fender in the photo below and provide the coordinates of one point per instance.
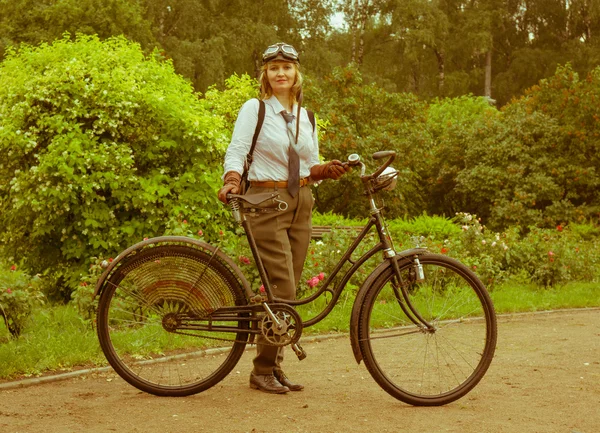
(193, 243)
(402, 258)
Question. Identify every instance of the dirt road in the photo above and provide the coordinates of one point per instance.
(545, 378)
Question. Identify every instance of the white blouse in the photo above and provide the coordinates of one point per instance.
(270, 157)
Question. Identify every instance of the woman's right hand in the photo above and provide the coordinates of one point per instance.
(231, 185)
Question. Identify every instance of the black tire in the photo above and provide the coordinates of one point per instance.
(149, 292)
(429, 368)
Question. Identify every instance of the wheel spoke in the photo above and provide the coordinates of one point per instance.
(429, 366)
(146, 306)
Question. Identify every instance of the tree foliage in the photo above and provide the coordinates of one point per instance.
(537, 163)
(433, 48)
(102, 147)
(364, 118)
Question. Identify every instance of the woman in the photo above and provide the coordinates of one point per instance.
(284, 150)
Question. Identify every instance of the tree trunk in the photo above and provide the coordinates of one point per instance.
(364, 9)
(488, 75)
(441, 68)
(354, 27)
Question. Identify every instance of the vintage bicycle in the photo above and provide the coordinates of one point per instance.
(175, 314)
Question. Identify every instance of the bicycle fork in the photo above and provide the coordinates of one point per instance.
(402, 297)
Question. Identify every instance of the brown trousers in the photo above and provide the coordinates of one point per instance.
(282, 239)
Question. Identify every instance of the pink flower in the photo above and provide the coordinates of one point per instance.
(245, 260)
(550, 253)
(321, 276)
(313, 281)
(200, 232)
(262, 288)
(8, 291)
(185, 221)
(13, 268)
(145, 239)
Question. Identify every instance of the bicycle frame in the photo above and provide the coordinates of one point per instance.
(385, 245)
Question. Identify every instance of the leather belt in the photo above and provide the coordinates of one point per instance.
(276, 184)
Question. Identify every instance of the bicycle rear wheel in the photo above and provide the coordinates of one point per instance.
(428, 367)
(149, 314)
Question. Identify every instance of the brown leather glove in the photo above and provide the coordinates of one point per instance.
(231, 185)
(330, 170)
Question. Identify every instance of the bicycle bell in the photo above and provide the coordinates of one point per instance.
(388, 179)
(353, 159)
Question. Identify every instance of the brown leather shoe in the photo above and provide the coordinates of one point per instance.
(283, 379)
(267, 383)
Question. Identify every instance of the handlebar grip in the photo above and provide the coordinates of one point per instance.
(390, 154)
(384, 154)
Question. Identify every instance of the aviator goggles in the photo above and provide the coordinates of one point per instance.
(287, 52)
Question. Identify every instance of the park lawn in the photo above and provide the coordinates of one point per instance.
(58, 339)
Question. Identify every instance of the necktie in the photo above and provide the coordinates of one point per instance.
(294, 159)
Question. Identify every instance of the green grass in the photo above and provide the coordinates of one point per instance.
(57, 339)
(513, 298)
(54, 339)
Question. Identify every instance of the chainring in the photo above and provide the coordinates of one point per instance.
(289, 329)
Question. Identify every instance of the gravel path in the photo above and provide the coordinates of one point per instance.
(545, 378)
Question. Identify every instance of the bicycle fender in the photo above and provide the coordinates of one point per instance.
(406, 255)
(173, 239)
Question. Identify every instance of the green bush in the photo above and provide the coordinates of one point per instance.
(363, 118)
(433, 227)
(102, 145)
(585, 231)
(536, 164)
(553, 257)
(19, 294)
(452, 123)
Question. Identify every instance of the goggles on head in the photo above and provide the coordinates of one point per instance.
(286, 51)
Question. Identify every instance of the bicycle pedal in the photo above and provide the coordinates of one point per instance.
(299, 351)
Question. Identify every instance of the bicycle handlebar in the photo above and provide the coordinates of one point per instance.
(354, 159)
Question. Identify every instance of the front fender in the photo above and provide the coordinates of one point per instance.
(402, 257)
(192, 243)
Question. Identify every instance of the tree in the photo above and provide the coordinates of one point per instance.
(103, 146)
(358, 13)
(537, 163)
(209, 40)
(364, 118)
(35, 21)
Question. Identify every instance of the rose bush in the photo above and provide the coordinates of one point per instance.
(19, 294)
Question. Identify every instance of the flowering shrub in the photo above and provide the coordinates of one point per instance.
(486, 252)
(19, 293)
(553, 257)
(324, 254)
(101, 145)
(545, 257)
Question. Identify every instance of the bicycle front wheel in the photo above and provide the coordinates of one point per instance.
(435, 366)
(152, 317)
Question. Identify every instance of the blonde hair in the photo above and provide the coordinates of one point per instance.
(266, 91)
